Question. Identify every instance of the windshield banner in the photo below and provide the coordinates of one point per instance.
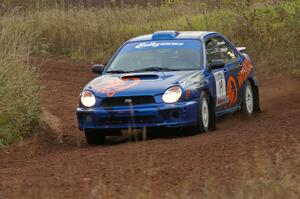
(165, 44)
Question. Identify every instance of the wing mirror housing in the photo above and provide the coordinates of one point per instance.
(98, 68)
(217, 64)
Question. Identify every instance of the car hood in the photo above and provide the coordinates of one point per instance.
(138, 84)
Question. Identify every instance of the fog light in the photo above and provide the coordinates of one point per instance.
(175, 114)
(88, 119)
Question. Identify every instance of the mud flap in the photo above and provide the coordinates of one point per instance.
(256, 95)
(212, 114)
(256, 99)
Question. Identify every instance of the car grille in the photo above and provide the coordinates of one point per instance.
(126, 120)
(125, 101)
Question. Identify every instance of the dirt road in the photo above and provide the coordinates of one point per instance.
(57, 163)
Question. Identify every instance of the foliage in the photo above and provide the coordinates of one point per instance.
(269, 29)
(19, 109)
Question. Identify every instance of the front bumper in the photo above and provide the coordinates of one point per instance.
(153, 115)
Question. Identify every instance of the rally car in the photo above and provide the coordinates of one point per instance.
(168, 79)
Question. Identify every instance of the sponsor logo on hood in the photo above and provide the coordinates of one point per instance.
(111, 85)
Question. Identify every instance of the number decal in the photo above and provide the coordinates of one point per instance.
(220, 88)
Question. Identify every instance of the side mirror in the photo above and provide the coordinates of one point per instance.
(216, 64)
(98, 69)
(242, 49)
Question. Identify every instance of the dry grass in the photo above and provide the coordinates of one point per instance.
(97, 33)
(19, 110)
(269, 29)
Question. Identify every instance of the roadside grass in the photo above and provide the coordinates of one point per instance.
(269, 29)
(19, 107)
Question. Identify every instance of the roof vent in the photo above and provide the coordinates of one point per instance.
(169, 34)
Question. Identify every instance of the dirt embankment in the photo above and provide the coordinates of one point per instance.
(58, 164)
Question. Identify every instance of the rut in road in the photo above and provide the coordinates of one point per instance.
(57, 163)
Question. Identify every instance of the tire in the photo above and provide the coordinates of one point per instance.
(94, 137)
(205, 113)
(248, 101)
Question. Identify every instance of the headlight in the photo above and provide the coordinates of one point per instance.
(88, 99)
(172, 95)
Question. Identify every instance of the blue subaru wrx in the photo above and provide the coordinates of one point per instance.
(168, 79)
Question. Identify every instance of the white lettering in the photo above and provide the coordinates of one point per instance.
(155, 44)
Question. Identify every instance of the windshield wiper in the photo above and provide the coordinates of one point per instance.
(155, 69)
(117, 71)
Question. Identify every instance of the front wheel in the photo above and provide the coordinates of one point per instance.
(204, 113)
(94, 137)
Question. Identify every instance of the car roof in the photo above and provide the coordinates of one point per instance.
(172, 35)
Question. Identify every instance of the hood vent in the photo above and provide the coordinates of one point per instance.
(141, 77)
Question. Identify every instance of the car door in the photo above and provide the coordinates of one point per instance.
(225, 79)
(219, 76)
(233, 65)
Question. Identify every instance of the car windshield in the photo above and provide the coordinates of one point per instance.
(173, 55)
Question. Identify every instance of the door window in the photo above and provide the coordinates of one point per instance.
(212, 51)
(218, 48)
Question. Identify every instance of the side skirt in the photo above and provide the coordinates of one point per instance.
(230, 110)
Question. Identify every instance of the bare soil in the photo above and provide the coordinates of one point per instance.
(57, 163)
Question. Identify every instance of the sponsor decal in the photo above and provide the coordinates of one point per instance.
(244, 72)
(232, 88)
(232, 92)
(156, 44)
(111, 85)
(220, 88)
